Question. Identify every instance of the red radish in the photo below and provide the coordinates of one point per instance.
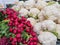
(11, 38)
(14, 31)
(14, 39)
(18, 35)
(11, 30)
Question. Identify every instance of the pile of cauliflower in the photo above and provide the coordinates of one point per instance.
(45, 18)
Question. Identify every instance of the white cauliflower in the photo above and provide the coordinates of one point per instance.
(41, 16)
(16, 8)
(49, 25)
(32, 20)
(40, 4)
(51, 12)
(47, 38)
(23, 12)
(37, 28)
(58, 30)
(29, 4)
(34, 12)
(21, 4)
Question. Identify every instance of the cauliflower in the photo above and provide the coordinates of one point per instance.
(41, 16)
(51, 12)
(29, 4)
(16, 8)
(49, 25)
(34, 12)
(32, 20)
(21, 4)
(23, 12)
(47, 38)
(40, 4)
(58, 30)
(37, 28)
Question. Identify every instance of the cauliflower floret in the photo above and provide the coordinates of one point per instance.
(58, 30)
(37, 28)
(16, 8)
(21, 4)
(47, 38)
(40, 4)
(32, 20)
(29, 4)
(23, 12)
(41, 16)
(49, 25)
(34, 12)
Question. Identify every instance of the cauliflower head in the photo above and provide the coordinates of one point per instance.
(47, 38)
(23, 12)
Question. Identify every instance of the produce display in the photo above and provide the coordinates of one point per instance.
(31, 22)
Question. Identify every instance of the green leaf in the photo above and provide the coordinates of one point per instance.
(4, 28)
(1, 16)
(25, 35)
(0, 35)
(55, 33)
(13, 35)
(59, 2)
(50, 3)
(4, 21)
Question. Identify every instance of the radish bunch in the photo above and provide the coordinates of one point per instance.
(21, 29)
